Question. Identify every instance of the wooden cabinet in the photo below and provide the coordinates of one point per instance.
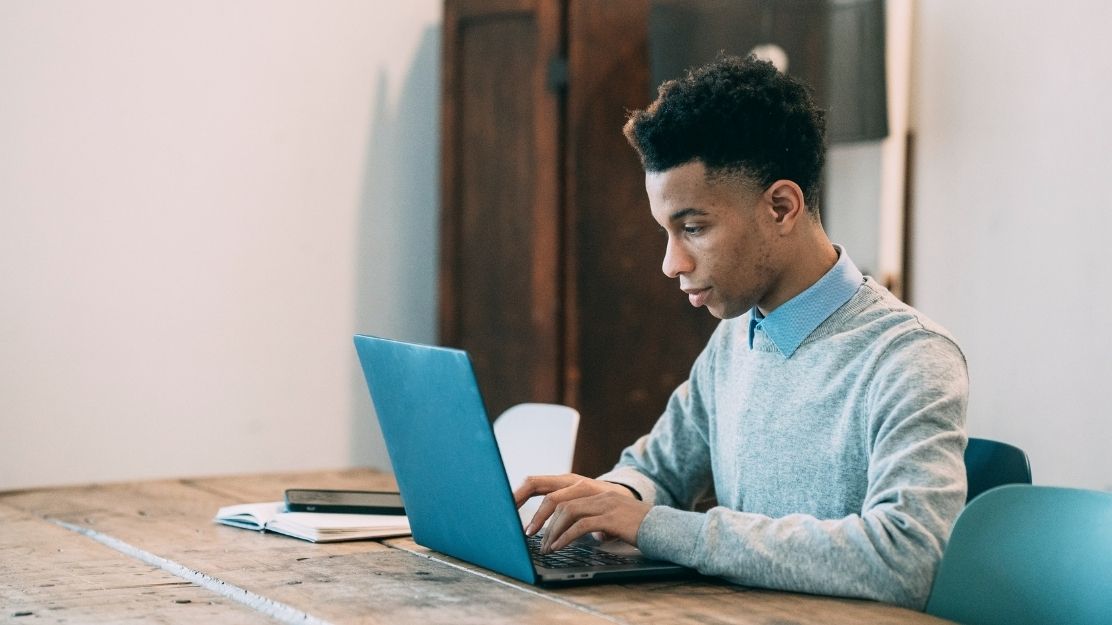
(550, 260)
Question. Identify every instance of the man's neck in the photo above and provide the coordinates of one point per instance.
(806, 266)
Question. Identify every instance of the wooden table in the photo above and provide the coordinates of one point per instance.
(149, 552)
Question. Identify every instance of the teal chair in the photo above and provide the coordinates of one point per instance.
(1028, 555)
(989, 464)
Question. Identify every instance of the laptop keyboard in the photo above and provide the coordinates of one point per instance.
(576, 555)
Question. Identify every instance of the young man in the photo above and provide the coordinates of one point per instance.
(825, 415)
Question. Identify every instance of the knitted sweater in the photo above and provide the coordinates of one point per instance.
(837, 471)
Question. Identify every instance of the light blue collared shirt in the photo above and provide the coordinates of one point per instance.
(795, 320)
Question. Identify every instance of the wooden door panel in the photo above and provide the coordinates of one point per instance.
(632, 336)
(500, 280)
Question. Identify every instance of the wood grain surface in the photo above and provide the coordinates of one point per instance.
(149, 552)
(49, 574)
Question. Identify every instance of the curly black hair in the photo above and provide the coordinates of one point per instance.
(735, 115)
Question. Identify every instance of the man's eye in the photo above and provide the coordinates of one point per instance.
(689, 229)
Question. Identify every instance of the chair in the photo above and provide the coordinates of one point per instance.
(1027, 555)
(989, 464)
(536, 439)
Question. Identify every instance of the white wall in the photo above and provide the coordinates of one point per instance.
(200, 202)
(1012, 216)
(864, 184)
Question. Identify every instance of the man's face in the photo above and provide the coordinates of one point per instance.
(720, 240)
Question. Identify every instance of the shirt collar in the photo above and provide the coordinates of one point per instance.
(794, 320)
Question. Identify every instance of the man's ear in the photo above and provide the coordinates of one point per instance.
(788, 206)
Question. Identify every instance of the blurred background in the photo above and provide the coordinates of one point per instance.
(201, 202)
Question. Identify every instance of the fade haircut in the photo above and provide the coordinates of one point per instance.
(737, 116)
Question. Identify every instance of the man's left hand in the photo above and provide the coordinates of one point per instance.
(609, 513)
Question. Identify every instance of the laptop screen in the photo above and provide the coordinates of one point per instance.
(444, 454)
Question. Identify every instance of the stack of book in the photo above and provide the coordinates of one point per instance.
(317, 527)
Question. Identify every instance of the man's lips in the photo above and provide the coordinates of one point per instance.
(697, 297)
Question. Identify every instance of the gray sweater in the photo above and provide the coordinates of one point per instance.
(837, 471)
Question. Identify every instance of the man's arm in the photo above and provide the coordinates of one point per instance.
(888, 552)
(669, 466)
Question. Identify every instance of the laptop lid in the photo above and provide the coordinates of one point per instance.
(444, 454)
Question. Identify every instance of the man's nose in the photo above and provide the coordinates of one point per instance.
(676, 260)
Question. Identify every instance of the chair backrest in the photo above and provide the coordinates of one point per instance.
(1027, 555)
(536, 439)
(989, 464)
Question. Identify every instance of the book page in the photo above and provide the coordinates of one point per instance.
(327, 526)
(252, 516)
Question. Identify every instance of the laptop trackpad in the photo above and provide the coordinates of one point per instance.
(615, 546)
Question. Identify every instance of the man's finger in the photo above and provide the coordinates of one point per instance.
(580, 488)
(545, 510)
(542, 485)
(576, 530)
(616, 515)
(559, 520)
(566, 515)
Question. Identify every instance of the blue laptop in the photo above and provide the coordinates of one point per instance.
(451, 476)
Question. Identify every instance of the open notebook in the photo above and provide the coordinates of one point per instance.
(317, 527)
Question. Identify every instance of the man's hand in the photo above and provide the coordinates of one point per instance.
(578, 505)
